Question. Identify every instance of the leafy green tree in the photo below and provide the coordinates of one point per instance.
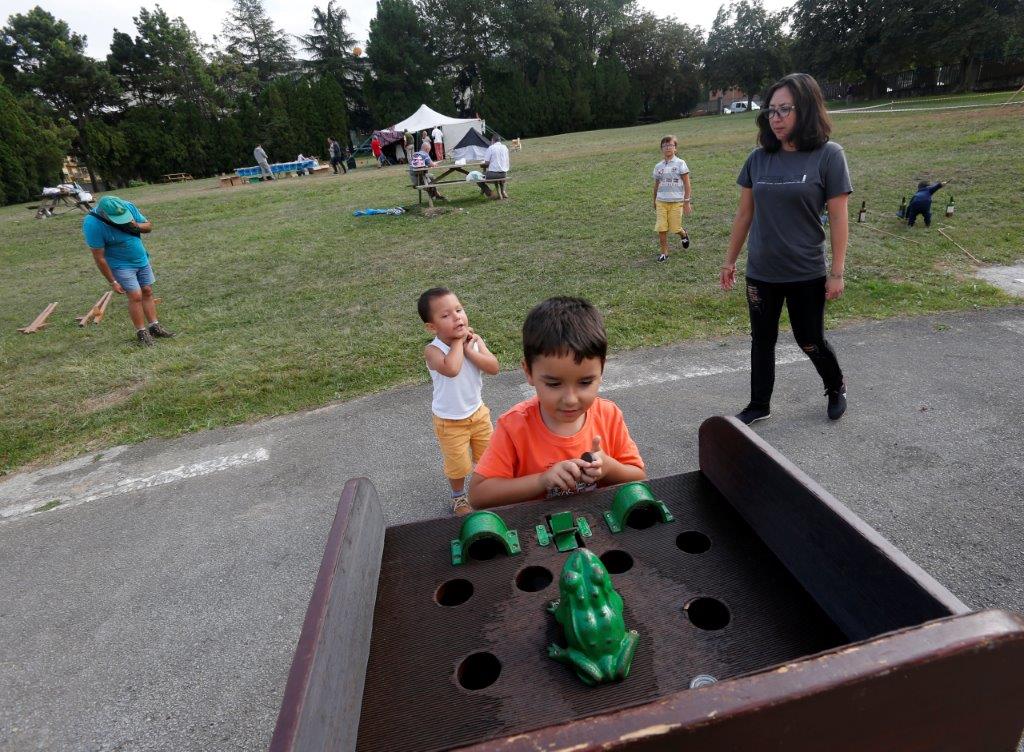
(49, 59)
(32, 149)
(401, 65)
(330, 47)
(663, 58)
(163, 63)
(252, 38)
(332, 119)
(846, 39)
(969, 31)
(746, 48)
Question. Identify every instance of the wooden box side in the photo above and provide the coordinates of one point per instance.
(953, 685)
(863, 582)
(324, 693)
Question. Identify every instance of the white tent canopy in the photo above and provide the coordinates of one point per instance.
(424, 119)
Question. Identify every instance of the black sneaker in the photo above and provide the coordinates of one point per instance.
(145, 338)
(157, 330)
(751, 414)
(836, 402)
(685, 238)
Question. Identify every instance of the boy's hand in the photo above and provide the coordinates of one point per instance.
(593, 470)
(117, 287)
(687, 208)
(563, 475)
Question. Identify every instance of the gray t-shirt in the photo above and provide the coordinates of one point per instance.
(786, 241)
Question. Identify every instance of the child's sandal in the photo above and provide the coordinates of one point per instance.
(461, 505)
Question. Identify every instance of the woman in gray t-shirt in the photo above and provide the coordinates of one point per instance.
(784, 185)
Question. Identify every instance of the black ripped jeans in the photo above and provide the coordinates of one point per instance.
(805, 302)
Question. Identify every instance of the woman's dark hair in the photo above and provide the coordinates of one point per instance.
(813, 125)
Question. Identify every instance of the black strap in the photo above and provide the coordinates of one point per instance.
(123, 228)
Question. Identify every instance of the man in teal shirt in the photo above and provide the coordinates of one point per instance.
(113, 233)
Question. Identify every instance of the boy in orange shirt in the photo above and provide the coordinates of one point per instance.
(566, 439)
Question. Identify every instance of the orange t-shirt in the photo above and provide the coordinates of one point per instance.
(523, 445)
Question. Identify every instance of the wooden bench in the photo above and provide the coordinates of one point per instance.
(428, 186)
(226, 181)
(176, 177)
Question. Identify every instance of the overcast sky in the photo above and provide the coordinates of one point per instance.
(98, 18)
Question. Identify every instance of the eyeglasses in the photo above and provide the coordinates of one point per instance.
(781, 112)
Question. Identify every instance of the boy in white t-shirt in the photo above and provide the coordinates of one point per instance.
(456, 359)
(671, 196)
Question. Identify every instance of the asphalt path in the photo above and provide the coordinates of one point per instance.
(157, 607)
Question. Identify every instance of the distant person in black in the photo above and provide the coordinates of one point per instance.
(337, 156)
(921, 203)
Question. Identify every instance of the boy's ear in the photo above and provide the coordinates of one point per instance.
(526, 370)
(430, 327)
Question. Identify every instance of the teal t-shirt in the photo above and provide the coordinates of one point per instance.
(121, 250)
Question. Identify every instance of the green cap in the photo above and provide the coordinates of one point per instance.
(115, 209)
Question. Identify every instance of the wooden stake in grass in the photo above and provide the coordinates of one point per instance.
(40, 320)
(974, 258)
(103, 307)
(95, 314)
(878, 229)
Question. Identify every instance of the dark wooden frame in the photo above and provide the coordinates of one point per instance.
(324, 693)
(921, 672)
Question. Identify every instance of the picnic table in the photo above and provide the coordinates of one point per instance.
(58, 203)
(176, 177)
(449, 168)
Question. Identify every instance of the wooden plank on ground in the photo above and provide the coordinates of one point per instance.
(40, 321)
(95, 314)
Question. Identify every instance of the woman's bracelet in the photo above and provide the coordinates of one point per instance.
(729, 267)
(834, 276)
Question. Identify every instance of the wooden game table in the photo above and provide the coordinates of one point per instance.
(821, 635)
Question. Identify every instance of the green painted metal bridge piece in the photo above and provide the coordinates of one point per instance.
(632, 496)
(589, 609)
(483, 526)
(562, 530)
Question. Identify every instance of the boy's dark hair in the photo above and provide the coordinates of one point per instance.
(922, 185)
(667, 139)
(813, 125)
(423, 304)
(560, 326)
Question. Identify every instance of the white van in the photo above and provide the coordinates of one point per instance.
(740, 106)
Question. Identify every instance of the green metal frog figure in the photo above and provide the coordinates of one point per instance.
(590, 612)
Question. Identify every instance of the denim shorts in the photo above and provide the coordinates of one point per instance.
(135, 278)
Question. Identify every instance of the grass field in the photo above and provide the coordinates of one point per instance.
(283, 300)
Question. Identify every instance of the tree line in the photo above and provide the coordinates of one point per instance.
(163, 101)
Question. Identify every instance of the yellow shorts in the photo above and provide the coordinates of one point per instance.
(670, 216)
(459, 439)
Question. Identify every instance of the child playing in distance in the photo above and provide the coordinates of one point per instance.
(456, 360)
(539, 445)
(921, 203)
(671, 196)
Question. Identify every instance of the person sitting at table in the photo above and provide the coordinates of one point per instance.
(418, 164)
(495, 167)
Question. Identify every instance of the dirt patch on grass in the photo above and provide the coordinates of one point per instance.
(110, 399)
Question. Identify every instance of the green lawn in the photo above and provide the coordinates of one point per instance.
(284, 300)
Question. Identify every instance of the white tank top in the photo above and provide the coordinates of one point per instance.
(456, 397)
